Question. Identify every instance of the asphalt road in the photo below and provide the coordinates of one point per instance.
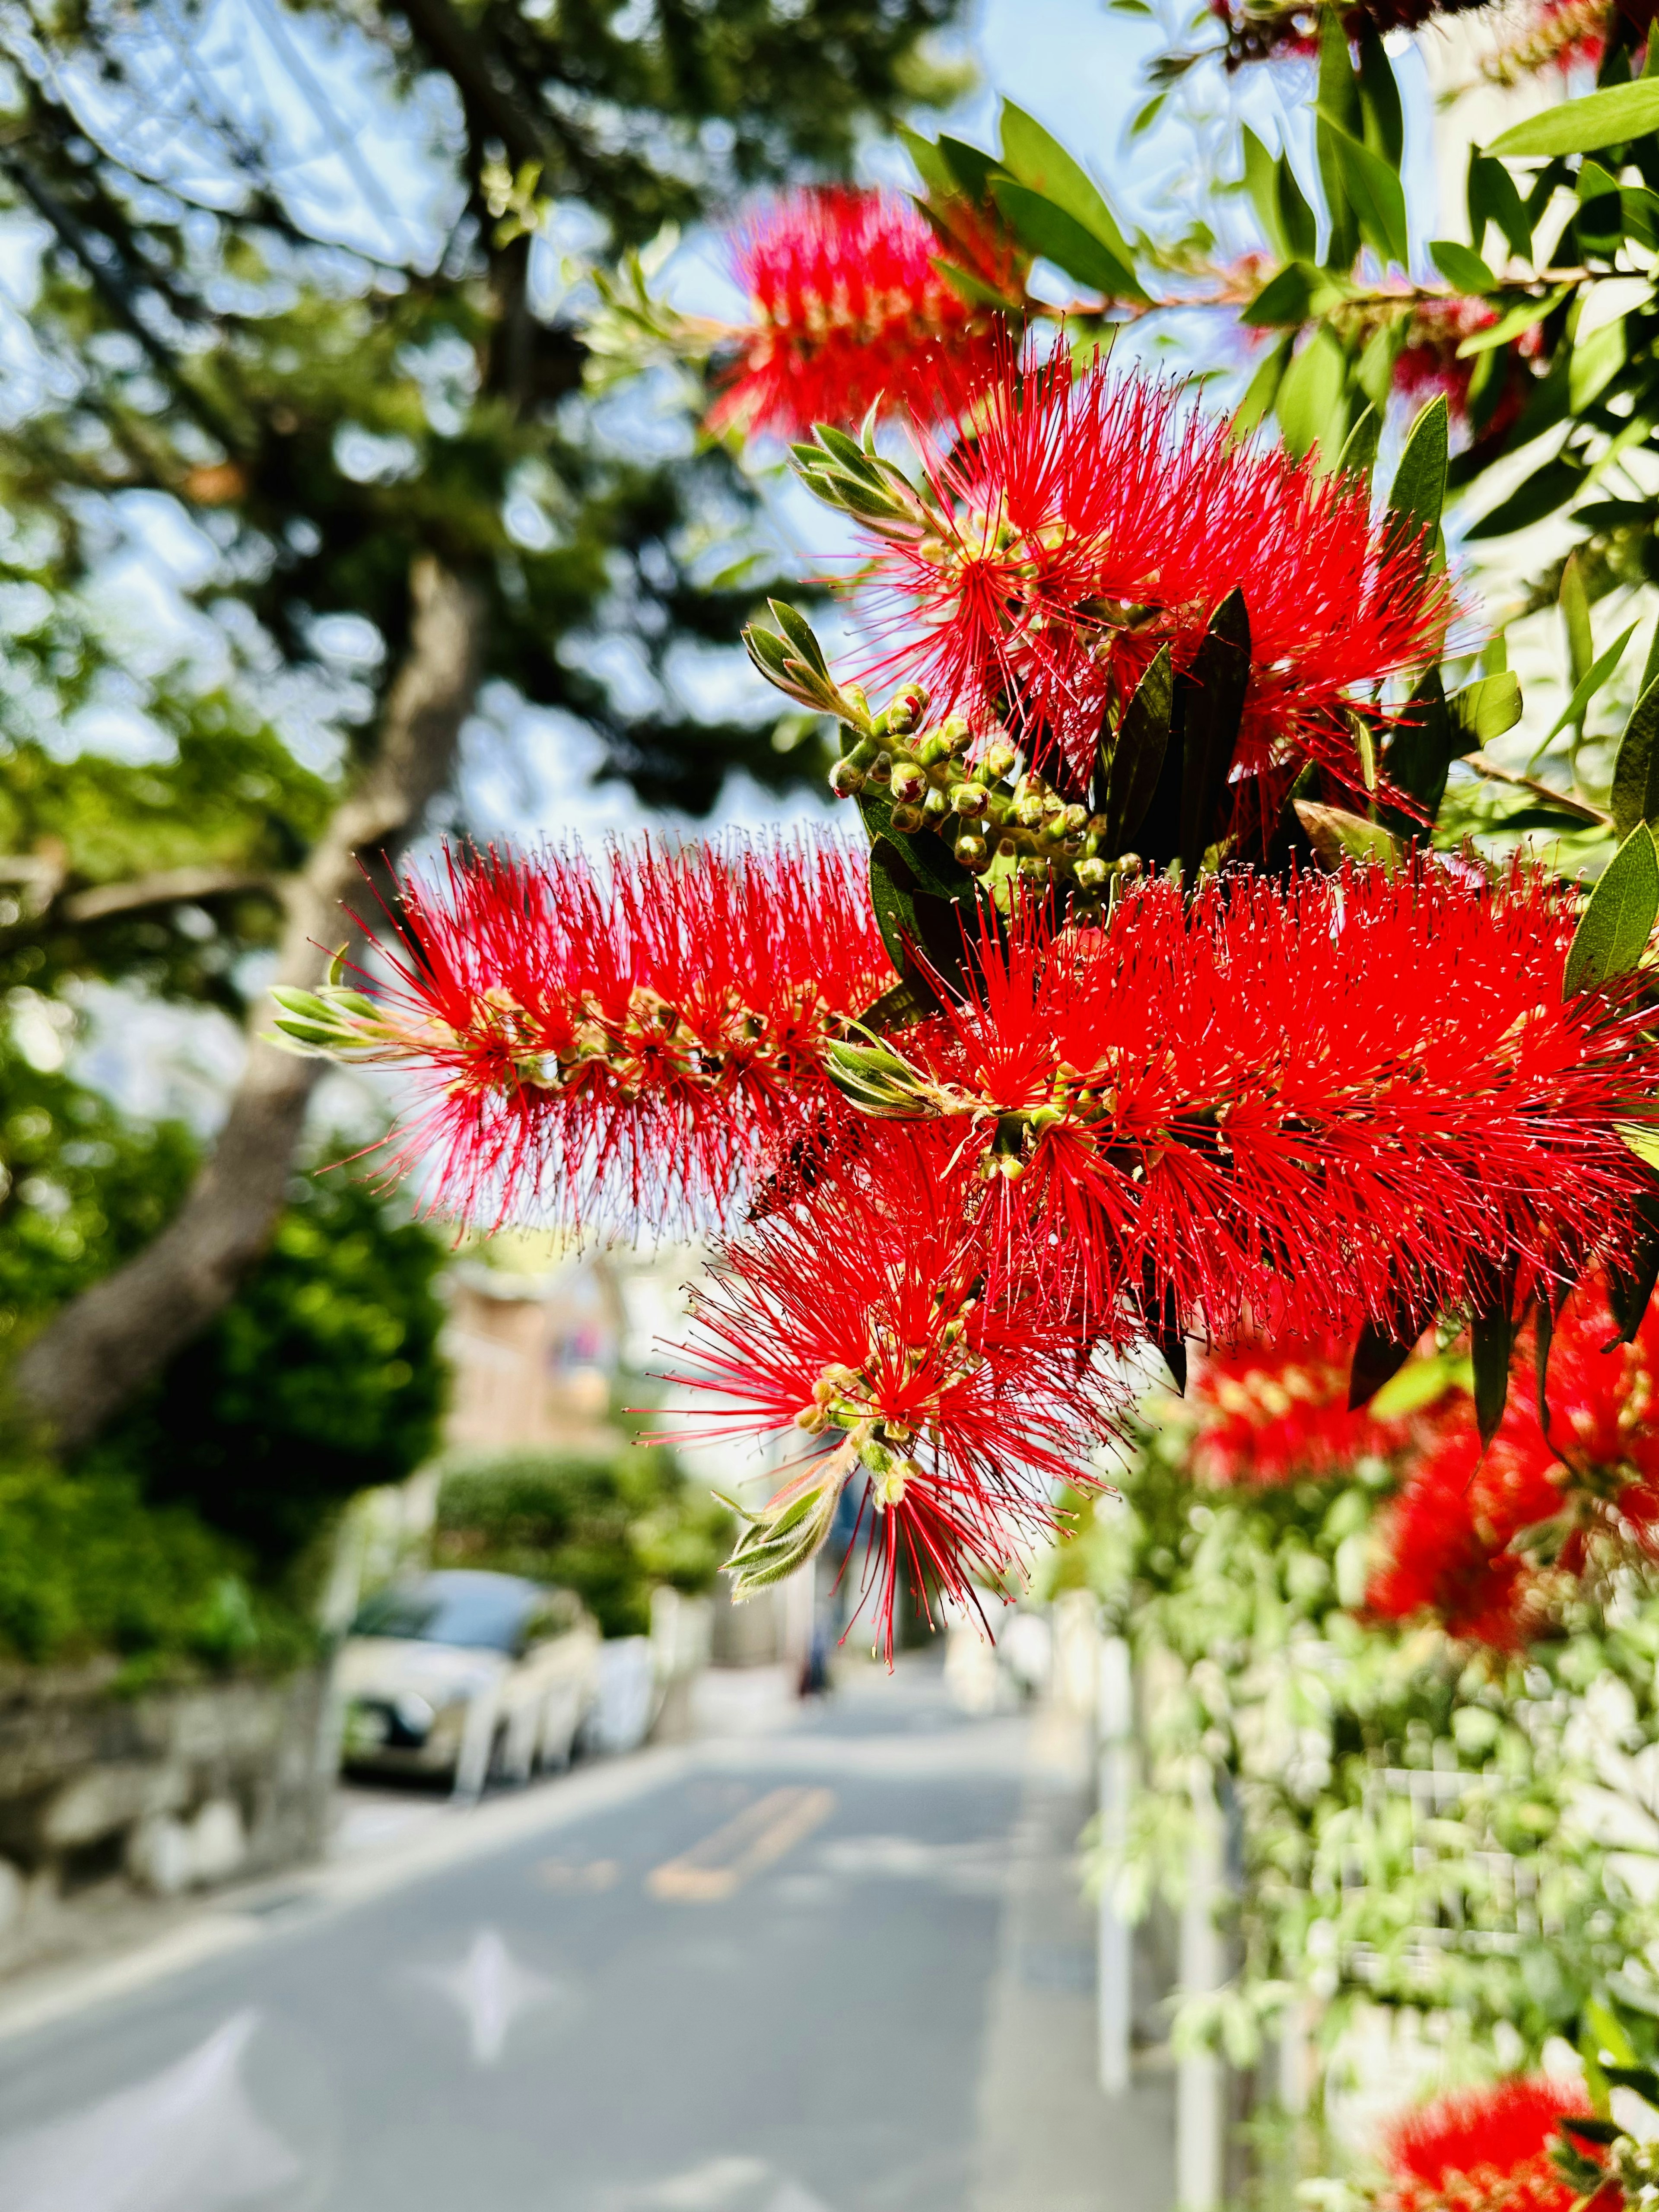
(785, 1973)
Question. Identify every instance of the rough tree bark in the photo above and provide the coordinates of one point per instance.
(108, 1342)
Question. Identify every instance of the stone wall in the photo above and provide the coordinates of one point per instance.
(108, 1797)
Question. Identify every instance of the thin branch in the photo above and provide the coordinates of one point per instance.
(167, 887)
(1581, 807)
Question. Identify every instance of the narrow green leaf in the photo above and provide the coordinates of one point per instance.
(1422, 748)
(1636, 770)
(1263, 389)
(1485, 709)
(1310, 394)
(1491, 1341)
(1632, 1277)
(1589, 683)
(1614, 929)
(1296, 218)
(1374, 192)
(1337, 835)
(1338, 96)
(1379, 100)
(1261, 183)
(1546, 489)
(1594, 364)
(1378, 1359)
(969, 168)
(1059, 237)
(1519, 321)
(973, 288)
(1285, 302)
(1608, 118)
(1036, 159)
(1419, 490)
(1213, 700)
(1492, 198)
(1129, 776)
(1650, 665)
(800, 632)
(931, 165)
(1358, 455)
(1462, 266)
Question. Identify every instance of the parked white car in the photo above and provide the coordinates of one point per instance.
(466, 1674)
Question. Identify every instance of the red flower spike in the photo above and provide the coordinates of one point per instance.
(876, 1318)
(850, 311)
(1286, 1102)
(1277, 1411)
(622, 1042)
(1484, 2150)
(1596, 1475)
(1091, 520)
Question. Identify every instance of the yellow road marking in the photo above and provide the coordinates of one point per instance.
(758, 1837)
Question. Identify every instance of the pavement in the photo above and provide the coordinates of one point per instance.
(826, 1959)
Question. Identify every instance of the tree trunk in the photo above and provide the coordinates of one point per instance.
(104, 1345)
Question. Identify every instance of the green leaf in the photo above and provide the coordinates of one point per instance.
(1419, 490)
(1212, 701)
(1650, 665)
(929, 862)
(1285, 302)
(1337, 835)
(1379, 100)
(1485, 709)
(1310, 394)
(1338, 96)
(1609, 118)
(1378, 1359)
(1519, 321)
(1129, 776)
(1374, 192)
(1144, 117)
(1036, 159)
(1263, 389)
(1492, 198)
(912, 919)
(1424, 747)
(1491, 1341)
(1632, 1277)
(969, 168)
(1059, 237)
(1546, 489)
(931, 165)
(1636, 770)
(1614, 929)
(1589, 683)
(1296, 216)
(1261, 183)
(1594, 364)
(1358, 455)
(973, 288)
(1462, 265)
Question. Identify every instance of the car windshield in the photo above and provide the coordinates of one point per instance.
(483, 1611)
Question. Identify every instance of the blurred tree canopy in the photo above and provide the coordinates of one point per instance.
(299, 459)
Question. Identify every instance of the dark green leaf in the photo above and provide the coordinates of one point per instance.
(1610, 117)
(1296, 218)
(1339, 97)
(1614, 929)
(1263, 388)
(1374, 192)
(970, 169)
(1546, 489)
(1379, 100)
(1059, 237)
(1419, 490)
(1543, 1337)
(1491, 1341)
(1592, 2130)
(912, 920)
(1492, 198)
(908, 1000)
(1424, 746)
(1358, 455)
(972, 287)
(1378, 1358)
(1261, 183)
(1129, 776)
(1213, 700)
(927, 858)
(1462, 266)
(1633, 1275)
(1285, 302)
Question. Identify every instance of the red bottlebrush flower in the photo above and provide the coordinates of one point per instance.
(1259, 32)
(1596, 1475)
(1484, 2150)
(1289, 1101)
(850, 310)
(876, 1316)
(621, 1043)
(1091, 520)
(1277, 1411)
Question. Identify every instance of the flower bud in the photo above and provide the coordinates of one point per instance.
(881, 768)
(906, 708)
(935, 805)
(846, 781)
(970, 800)
(972, 851)
(932, 750)
(1092, 875)
(999, 759)
(1130, 866)
(908, 820)
(956, 733)
(910, 781)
